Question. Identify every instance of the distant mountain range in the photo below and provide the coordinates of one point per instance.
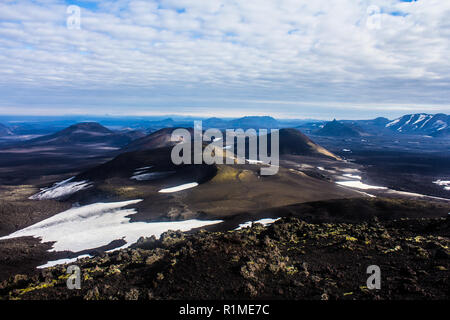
(437, 125)
(243, 123)
(87, 133)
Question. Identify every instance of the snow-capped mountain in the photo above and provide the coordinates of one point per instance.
(421, 123)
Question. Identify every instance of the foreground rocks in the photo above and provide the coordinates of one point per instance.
(290, 259)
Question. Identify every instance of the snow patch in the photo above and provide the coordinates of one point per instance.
(410, 119)
(420, 119)
(356, 183)
(352, 176)
(62, 261)
(151, 175)
(96, 225)
(250, 161)
(390, 124)
(411, 194)
(143, 168)
(179, 188)
(264, 222)
(406, 123)
(441, 124)
(61, 189)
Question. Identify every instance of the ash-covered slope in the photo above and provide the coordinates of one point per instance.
(294, 142)
(138, 163)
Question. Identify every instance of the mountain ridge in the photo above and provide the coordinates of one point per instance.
(420, 123)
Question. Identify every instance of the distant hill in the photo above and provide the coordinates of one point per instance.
(5, 131)
(158, 124)
(375, 126)
(215, 123)
(338, 129)
(377, 122)
(294, 142)
(86, 133)
(420, 123)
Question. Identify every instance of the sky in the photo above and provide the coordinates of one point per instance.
(319, 59)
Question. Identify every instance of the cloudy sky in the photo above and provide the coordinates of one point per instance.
(286, 58)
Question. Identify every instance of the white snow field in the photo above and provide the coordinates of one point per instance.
(151, 175)
(61, 189)
(250, 161)
(443, 183)
(359, 185)
(356, 183)
(179, 188)
(98, 224)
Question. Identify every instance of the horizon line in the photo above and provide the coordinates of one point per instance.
(192, 117)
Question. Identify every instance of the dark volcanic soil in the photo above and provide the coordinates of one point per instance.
(22, 255)
(18, 212)
(291, 259)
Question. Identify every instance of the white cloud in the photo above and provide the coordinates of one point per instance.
(181, 51)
